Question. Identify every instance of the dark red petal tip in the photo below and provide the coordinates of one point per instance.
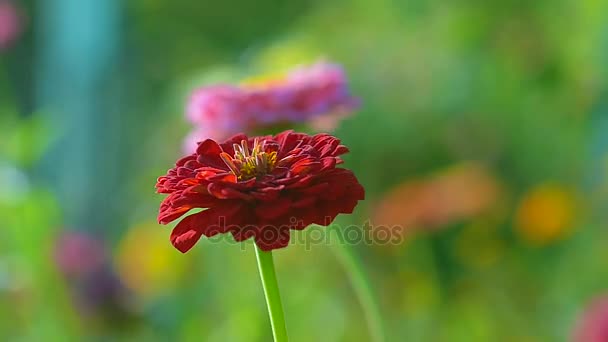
(186, 234)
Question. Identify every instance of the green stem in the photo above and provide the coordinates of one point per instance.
(273, 298)
(363, 290)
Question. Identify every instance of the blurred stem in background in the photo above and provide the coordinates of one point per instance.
(362, 287)
(271, 291)
(28, 227)
(438, 254)
(77, 44)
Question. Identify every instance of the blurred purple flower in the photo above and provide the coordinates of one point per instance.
(312, 94)
(77, 254)
(96, 289)
(102, 293)
(592, 326)
(10, 23)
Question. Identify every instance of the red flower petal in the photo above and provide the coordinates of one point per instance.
(169, 214)
(209, 223)
(341, 149)
(305, 166)
(209, 154)
(273, 210)
(272, 237)
(236, 139)
(221, 191)
(303, 202)
(328, 163)
(316, 189)
(189, 230)
(268, 193)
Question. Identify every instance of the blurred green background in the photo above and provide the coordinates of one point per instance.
(483, 131)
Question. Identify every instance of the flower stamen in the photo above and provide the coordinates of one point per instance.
(247, 164)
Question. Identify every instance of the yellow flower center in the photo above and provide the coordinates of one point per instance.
(250, 163)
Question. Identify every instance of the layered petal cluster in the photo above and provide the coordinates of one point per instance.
(258, 188)
(305, 94)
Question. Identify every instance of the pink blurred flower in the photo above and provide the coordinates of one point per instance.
(592, 325)
(315, 90)
(10, 23)
(317, 94)
(220, 106)
(201, 133)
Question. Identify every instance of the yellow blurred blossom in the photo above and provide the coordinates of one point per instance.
(263, 81)
(146, 261)
(286, 53)
(479, 245)
(420, 292)
(545, 214)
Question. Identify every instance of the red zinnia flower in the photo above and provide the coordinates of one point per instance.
(258, 187)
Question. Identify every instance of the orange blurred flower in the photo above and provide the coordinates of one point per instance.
(545, 214)
(457, 193)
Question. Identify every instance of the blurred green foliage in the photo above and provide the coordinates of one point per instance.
(517, 86)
